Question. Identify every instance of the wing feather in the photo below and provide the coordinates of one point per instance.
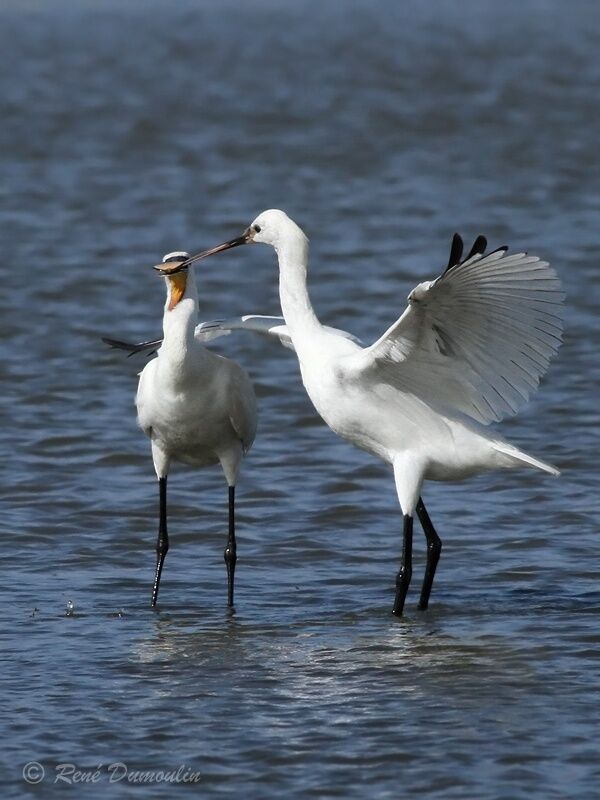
(478, 339)
(273, 327)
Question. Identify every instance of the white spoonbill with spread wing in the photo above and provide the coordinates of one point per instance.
(468, 350)
(195, 406)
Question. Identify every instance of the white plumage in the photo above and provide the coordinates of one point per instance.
(485, 330)
(469, 349)
(195, 406)
(205, 332)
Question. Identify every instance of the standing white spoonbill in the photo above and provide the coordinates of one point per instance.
(468, 350)
(195, 406)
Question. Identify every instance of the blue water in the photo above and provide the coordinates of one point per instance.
(131, 129)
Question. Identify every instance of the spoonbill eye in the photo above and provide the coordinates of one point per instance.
(257, 228)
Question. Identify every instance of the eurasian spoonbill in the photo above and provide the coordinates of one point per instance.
(468, 350)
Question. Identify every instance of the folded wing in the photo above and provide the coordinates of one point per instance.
(478, 339)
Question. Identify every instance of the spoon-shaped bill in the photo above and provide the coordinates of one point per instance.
(243, 239)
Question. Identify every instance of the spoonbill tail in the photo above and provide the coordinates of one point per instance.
(469, 349)
(195, 406)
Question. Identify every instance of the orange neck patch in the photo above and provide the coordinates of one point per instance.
(177, 284)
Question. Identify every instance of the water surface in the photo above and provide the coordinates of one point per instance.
(131, 129)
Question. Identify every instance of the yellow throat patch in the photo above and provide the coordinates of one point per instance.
(177, 284)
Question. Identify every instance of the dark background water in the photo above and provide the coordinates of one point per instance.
(130, 129)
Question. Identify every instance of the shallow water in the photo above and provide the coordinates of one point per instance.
(130, 129)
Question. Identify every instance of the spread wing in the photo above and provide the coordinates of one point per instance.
(477, 339)
(273, 327)
(205, 332)
(150, 347)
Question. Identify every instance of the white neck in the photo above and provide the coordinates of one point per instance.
(296, 307)
(180, 322)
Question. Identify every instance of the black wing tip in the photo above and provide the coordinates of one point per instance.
(117, 344)
(479, 246)
(114, 343)
(456, 250)
(132, 349)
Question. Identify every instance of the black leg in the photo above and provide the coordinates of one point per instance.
(230, 554)
(434, 548)
(405, 572)
(162, 543)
